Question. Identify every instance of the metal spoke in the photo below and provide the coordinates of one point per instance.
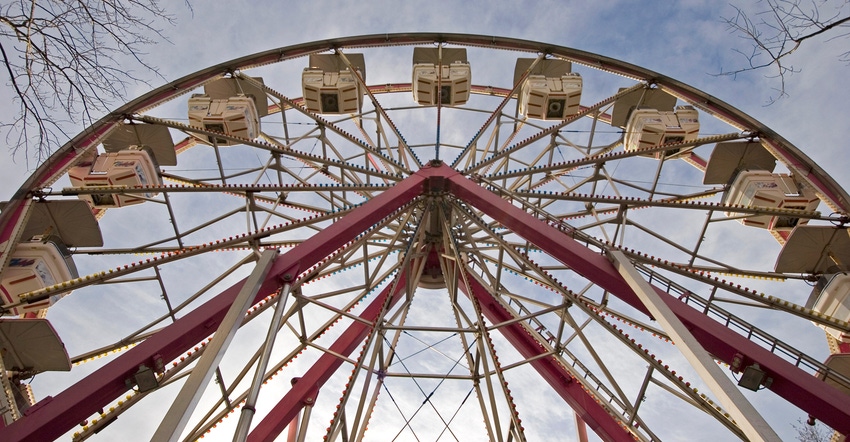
(418, 284)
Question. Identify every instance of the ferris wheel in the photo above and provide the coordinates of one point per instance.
(424, 237)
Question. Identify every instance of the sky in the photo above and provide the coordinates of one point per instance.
(686, 40)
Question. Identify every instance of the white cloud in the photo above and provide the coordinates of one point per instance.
(684, 41)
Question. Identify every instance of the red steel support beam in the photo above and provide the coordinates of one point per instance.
(52, 417)
(585, 406)
(288, 408)
(810, 394)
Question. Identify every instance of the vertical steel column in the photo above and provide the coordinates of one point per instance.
(297, 433)
(748, 419)
(302, 430)
(292, 436)
(581, 428)
(181, 409)
(248, 410)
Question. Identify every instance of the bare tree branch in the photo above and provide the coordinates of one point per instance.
(811, 431)
(780, 29)
(68, 61)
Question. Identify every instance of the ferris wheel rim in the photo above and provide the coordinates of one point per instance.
(68, 152)
(90, 137)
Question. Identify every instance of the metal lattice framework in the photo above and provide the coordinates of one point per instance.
(426, 272)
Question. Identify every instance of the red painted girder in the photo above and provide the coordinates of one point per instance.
(585, 406)
(814, 396)
(52, 417)
(291, 404)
